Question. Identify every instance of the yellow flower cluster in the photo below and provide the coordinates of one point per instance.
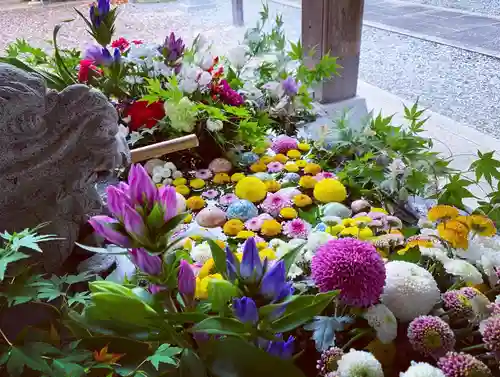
(270, 228)
(251, 188)
(195, 203)
(330, 190)
(221, 178)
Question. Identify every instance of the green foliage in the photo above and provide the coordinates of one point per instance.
(164, 354)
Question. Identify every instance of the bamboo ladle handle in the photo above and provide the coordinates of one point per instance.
(164, 147)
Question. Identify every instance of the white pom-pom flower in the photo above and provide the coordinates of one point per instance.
(463, 269)
(410, 290)
(201, 252)
(381, 319)
(422, 370)
(359, 363)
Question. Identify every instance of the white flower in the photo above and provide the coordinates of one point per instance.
(188, 86)
(481, 307)
(204, 60)
(133, 80)
(295, 271)
(157, 178)
(161, 69)
(237, 56)
(167, 181)
(331, 220)
(463, 269)
(204, 79)
(434, 253)
(359, 363)
(177, 174)
(307, 256)
(422, 370)
(381, 319)
(214, 125)
(274, 88)
(410, 290)
(201, 252)
(170, 165)
(316, 239)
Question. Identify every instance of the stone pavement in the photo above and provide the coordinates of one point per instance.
(470, 31)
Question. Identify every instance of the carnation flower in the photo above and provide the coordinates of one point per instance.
(355, 267)
(381, 319)
(227, 199)
(283, 144)
(274, 167)
(210, 194)
(144, 114)
(431, 336)
(422, 370)
(274, 203)
(359, 363)
(455, 364)
(328, 361)
(204, 174)
(490, 330)
(297, 228)
(410, 290)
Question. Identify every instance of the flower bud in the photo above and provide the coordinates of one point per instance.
(133, 222)
(150, 264)
(103, 226)
(245, 310)
(142, 189)
(186, 280)
(251, 265)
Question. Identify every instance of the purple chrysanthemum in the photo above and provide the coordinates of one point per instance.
(210, 194)
(204, 174)
(227, 199)
(431, 336)
(355, 267)
(274, 203)
(458, 302)
(324, 175)
(328, 361)
(274, 167)
(283, 144)
(490, 330)
(297, 228)
(455, 364)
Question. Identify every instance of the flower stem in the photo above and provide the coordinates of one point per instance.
(356, 337)
(5, 338)
(473, 348)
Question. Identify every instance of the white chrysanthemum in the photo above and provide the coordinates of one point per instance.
(381, 319)
(359, 363)
(422, 370)
(295, 271)
(410, 290)
(316, 239)
(463, 269)
(201, 252)
(437, 253)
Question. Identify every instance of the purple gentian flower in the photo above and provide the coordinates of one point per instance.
(186, 280)
(290, 86)
(103, 225)
(251, 265)
(99, 12)
(168, 198)
(142, 189)
(172, 48)
(227, 199)
(231, 264)
(204, 174)
(99, 55)
(133, 222)
(280, 348)
(116, 199)
(245, 310)
(274, 281)
(150, 264)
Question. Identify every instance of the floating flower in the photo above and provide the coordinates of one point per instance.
(381, 319)
(254, 224)
(359, 363)
(245, 234)
(201, 253)
(179, 181)
(283, 144)
(279, 348)
(460, 364)
(186, 280)
(197, 183)
(220, 165)
(328, 361)
(227, 199)
(251, 188)
(296, 228)
(274, 203)
(210, 194)
(241, 209)
(236, 177)
(352, 266)
(288, 213)
(204, 174)
(442, 213)
(291, 167)
(330, 190)
(290, 86)
(195, 203)
(455, 232)
(293, 154)
(462, 269)
(302, 200)
(307, 182)
(279, 158)
(233, 227)
(304, 147)
(221, 178)
(410, 290)
(258, 167)
(356, 232)
(183, 190)
(271, 228)
(490, 331)
(431, 336)
(274, 167)
(422, 370)
(248, 158)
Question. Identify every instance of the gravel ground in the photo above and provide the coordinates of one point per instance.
(488, 7)
(461, 85)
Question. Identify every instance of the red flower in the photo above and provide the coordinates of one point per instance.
(87, 69)
(120, 43)
(143, 115)
(137, 42)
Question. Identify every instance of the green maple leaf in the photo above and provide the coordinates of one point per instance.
(455, 191)
(29, 356)
(164, 354)
(486, 166)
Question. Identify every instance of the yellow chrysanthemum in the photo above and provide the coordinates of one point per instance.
(195, 203)
(258, 167)
(482, 225)
(221, 178)
(270, 228)
(455, 232)
(292, 167)
(244, 234)
(302, 200)
(335, 229)
(349, 222)
(261, 245)
(301, 163)
(197, 183)
(236, 177)
(179, 181)
(288, 213)
(183, 190)
(330, 190)
(442, 213)
(304, 147)
(272, 185)
(202, 285)
(268, 253)
(312, 169)
(293, 154)
(251, 188)
(207, 268)
(188, 244)
(356, 232)
(266, 160)
(188, 218)
(233, 227)
(281, 158)
(307, 182)
(381, 210)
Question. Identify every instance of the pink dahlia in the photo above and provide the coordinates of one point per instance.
(297, 228)
(283, 144)
(490, 330)
(324, 175)
(274, 203)
(355, 267)
(431, 336)
(274, 167)
(455, 364)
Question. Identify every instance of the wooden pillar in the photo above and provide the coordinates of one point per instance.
(238, 13)
(334, 26)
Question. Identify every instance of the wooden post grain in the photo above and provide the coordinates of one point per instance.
(163, 148)
(334, 27)
(238, 13)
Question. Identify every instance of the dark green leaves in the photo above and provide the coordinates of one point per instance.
(219, 256)
(486, 167)
(164, 354)
(454, 192)
(220, 326)
(29, 356)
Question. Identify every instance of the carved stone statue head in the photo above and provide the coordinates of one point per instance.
(52, 147)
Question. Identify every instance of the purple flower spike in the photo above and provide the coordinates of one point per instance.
(168, 198)
(251, 265)
(103, 226)
(290, 86)
(186, 280)
(274, 281)
(231, 265)
(133, 222)
(173, 48)
(104, 7)
(150, 264)
(116, 199)
(142, 189)
(245, 310)
(99, 55)
(280, 348)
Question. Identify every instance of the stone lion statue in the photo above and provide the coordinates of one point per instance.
(53, 146)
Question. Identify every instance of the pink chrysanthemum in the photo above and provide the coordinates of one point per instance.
(275, 167)
(461, 364)
(431, 336)
(324, 175)
(297, 228)
(283, 144)
(355, 267)
(255, 223)
(227, 199)
(210, 194)
(458, 302)
(490, 330)
(328, 361)
(203, 174)
(274, 203)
